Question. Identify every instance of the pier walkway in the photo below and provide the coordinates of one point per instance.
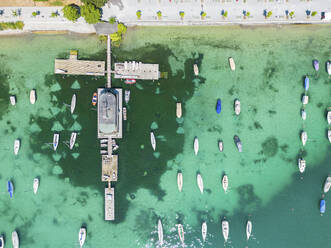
(109, 203)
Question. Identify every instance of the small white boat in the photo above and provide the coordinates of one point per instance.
(2, 242)
(17, 144)
(127, 96)
(196, 146)
(220, 145)
(327, 184)
(329, 135)
(12, 100)
(178, 110)
(180, 181)
(56, 138)
(73, 140)
(200, 182)
(73, 103)
(82, 236)
(33, 96)
(103, 145)
(35, 185)
(328, 67)
(124, 113)
(103, 152)
(225, 230)
(301, 165)
(15, 240)
(225, 183)
(153, 141)
(329, 117)
(303, 114)
(232, 64)
(304, 137)
(305, 99)
(237, 107)
(249, 226)
(160, 231)
(204, 231)
(196, 69)
(181, 233)
(103, 140)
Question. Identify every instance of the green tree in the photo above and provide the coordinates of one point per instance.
(71, 12)
(314, 13)
(159, 14)
(269, 14)
(112, 20)
(97, 3)
(248, 14)
(90, 13)
(55, 14)
(138, 13)
(291, 14)
(225, 13)
(182, 14)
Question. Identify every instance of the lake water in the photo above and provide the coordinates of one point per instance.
(265, 185)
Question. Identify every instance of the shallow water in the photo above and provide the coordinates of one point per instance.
(264, 183)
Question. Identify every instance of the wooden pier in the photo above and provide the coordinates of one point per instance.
(109, 203)
(109, 168)
(137, 70)
(108, 62)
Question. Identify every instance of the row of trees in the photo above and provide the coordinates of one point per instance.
(89, 11)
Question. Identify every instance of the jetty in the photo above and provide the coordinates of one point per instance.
(109, 203)
(137, 70)
(109, 168)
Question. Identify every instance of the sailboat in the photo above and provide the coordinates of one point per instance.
(127, 96)
(248, 229)
(232, 64)
(56, 138)
(181, 233)
(15, 239)
(73, 103)
(238, 143)
(306, 83)
(204, 231)
(328, 117)
(303, 114)
(316, 64)
(305, 99)
(237, 107)
(328, 67)
(10, 188)
(32, 96)
(220, 145)
(322, 206)
(2, 242)
(72, 140)
(153, 141)
(82, 236)
(301, 165)
(225, 229)
(327, 184)
(196, 69)
(94, 99)
(196, 146)
(225, 183)
(17, 145)
(218, 106)
(329, 135)
(178, 110)
(180, 181)
(200, 182)
(304, 137)
(35, 185)
(160, 231)
(12, 100)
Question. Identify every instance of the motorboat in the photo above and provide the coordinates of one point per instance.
(316, 64)
(35, 185)
(160, 231)
(181, 233)
(15, 240)
(328, 116)
(153, 141)
(306, 83)
(305, 99)
(196, 146)
(124, 114)
(12, 100)
(73, 103)
(328, 67)
(200, 182)
(329, 135)
(304, 137)
(303, 114)
(2, 242)
(72, 140)
(33, 96)
(237, 107)
(322, 206)
(301, 165)
(327, 184)
(130, 81)
(238, 143)
(82, 236)
(10, 188)
(220, 145)
(249, 226)
(204, 231)
(94, 99)
(103, 140)
(56, 138)
(180, 181)
(17, 144)
(127, 96)
(225, 183)
(232, 64)
(179, 110)
(196, 69)
(225, 229)
(218, 106)
(103, 145)
(103, 152)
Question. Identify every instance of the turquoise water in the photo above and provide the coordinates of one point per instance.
(264, 183)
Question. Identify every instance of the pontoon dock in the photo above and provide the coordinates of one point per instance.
(109, 168)
(109, 203)
(137, 70)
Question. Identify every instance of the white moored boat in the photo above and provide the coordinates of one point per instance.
(17, 144)
(225, 183)
(204, 231)
(2, 242)
(220, 145)
(196, 145)
(328, 67)
(124, 114)
(304, 137)
(12, 100)
(178, 110)
(82, 236)
(103, 140)
(196, 69)
(72, 140)
(303, 114)
(301, 165)
(153, 141)
(232, 64)
(180, 181)
(181, 233)
(160, 231)
(225, 229)
(73, 103)
(56, 138)
(329, 135)
(248, 229)
(305, 99)
(200, 182)
(329, 117)
(237, 107)
(32, 96)
(15, 240)
(327, 184)
(127, 96)
(35, 185)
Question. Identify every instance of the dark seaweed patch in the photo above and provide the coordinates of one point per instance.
(248, 200)
(257, 125)
(270, 147)
(272, 112)
(284, 148)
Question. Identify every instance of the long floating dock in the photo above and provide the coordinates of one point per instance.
(109, 168)
(109, 203)
(137, 70)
